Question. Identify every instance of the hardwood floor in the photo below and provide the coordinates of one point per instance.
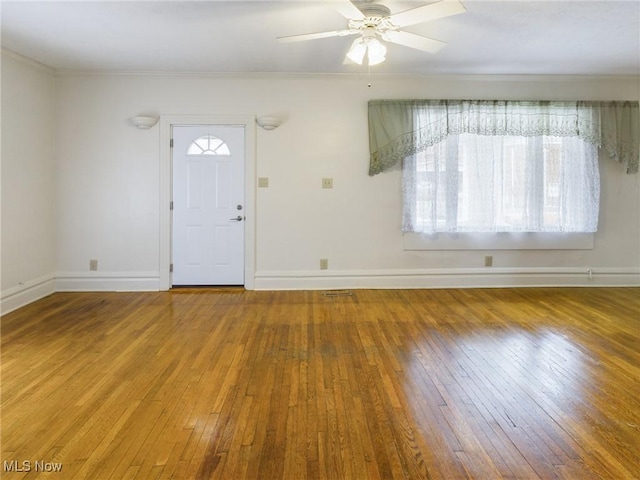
(436, 384)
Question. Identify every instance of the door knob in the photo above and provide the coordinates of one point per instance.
(237, 219)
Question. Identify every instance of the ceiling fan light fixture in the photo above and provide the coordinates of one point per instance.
(376, 51)
(373, 21)
(369, 46)
(357, 51)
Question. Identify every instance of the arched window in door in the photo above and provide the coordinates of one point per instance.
(208, 145)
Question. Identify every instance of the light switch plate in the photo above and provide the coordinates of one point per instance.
(263, 182)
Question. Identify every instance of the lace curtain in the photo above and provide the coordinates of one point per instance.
(400, 128)
(481, 183)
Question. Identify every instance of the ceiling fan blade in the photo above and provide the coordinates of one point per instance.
(412, 40)
(427, 13)
(347, 9)
(314, 36)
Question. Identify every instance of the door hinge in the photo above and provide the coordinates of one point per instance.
(171, 205)
(171, 143)
(171, 268)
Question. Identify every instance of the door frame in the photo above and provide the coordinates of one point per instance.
(167, 122)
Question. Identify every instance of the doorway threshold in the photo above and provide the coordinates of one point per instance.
(207, 289)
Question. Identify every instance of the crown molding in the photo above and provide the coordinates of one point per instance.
(356, 75)
(360, 76)
(28, 61)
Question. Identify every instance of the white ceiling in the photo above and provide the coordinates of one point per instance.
(581, 37)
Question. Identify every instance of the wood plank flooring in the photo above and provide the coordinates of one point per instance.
(421, 384)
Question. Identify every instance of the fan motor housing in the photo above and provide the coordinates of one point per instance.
(374, 11)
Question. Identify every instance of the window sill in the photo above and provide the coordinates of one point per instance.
(498, 241)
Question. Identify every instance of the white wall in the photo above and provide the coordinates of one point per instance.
(80, 182)
(28, 182)
(108, 183)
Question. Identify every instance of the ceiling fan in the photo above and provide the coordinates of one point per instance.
(373, 22)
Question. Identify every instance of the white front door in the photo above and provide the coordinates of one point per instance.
(208, 205)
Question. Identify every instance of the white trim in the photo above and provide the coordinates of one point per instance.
(489, 277)
(28, 61)
(63, 72)
(249, 123)
(106, 281)
(498, 241)
(16, 297)
(22, 295)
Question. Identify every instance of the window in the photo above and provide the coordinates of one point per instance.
(501, 165)
(480, 183)
(208, 145)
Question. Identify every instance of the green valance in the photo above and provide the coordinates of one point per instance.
(399, 128)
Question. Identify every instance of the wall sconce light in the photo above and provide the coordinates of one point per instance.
(269, 123)
(144, 122)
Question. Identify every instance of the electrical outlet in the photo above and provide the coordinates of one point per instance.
(327, 183)
(488, 261)
(324, 263)
(93, 265)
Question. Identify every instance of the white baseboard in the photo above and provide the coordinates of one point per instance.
(448, 278)
(26, 293)
(19, 296)
(107, 281)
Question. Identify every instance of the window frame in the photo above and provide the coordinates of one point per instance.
(498, 241)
